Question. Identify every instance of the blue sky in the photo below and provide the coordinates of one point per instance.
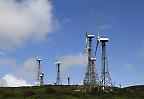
(121, 21)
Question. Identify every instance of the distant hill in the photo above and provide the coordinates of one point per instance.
(137, 88)
(70, 92)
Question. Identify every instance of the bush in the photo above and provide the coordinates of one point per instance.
(8, 94)
(50, 91)
(27, 93)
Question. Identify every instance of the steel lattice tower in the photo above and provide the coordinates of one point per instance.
(58, 78)
(40, 75)
(105, 75)
(38, 71)
(91, 78)
(41, 79)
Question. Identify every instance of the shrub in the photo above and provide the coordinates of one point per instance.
(50, 91)
(8, 94)
(27, 93)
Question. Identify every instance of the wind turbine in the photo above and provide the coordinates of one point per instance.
(105, 75)
(91, 78)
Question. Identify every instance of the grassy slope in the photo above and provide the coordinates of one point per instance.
(67, 92)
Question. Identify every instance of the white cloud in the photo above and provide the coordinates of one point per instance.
(129, 67)
(74, 60)
(27, 70)
(12, 81)
(6, 62)
(24, 21)
(3, 83)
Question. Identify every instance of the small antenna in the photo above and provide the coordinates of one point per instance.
(68, 79)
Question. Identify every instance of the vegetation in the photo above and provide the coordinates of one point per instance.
(70, 92)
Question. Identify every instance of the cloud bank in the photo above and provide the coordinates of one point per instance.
(24, 21)
(26, 71)
(11, 81)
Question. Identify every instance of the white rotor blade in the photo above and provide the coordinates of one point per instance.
(96, 47)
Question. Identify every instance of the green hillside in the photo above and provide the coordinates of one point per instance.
(70, 92)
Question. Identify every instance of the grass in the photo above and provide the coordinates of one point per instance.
(69, 92)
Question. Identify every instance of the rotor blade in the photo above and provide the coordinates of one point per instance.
(96, 47)
(86, 45)
(98, 27)
(98, 36)
(86, 39)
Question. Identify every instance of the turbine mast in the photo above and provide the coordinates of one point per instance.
(40, 75)
(58, 78)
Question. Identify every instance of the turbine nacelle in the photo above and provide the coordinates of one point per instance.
(58, 63)
(38, 59)
(93, 59)
(90, 36)
(103, 39)
(42, 74)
